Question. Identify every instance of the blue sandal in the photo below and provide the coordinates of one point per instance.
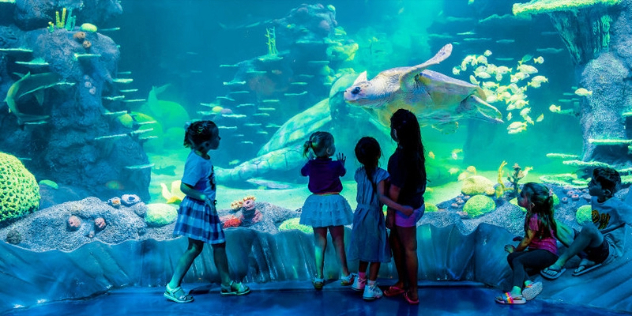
(177, 295)
(235, 288)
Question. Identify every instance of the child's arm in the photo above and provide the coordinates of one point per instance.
(404, 209)
(523, 244)
(193, 193)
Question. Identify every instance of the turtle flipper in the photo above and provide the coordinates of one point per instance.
(488, 112)
(410, 74)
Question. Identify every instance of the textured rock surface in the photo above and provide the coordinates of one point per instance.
(445, 254)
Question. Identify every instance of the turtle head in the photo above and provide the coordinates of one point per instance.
(361, 93)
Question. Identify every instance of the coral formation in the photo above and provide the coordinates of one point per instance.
(479, 205)
(99, 223)
(73, 223)
(545, 6)
(19, 191)
(14, 237)
(477, 185)
(293, 223)
(160, 214)
(584, 214)
(115, 202)
(130, 199)
(230, 221)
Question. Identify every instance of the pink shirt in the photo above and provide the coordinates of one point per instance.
(546, 243)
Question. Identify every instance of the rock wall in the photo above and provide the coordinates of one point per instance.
(445, 254)
(73, 144)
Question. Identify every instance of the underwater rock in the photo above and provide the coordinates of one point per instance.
(14, 237)
(160, 214)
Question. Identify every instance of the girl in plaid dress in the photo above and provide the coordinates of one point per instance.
(197, 216)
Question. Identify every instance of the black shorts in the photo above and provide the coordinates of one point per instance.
(597, 254)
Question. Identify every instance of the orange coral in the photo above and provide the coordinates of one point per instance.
(230, 221)
(79, 36)
(86, 44)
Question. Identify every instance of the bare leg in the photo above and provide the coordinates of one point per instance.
(588, 237)
(184, 263)
(408, 236)
(320, 243)
(375, 268)
(338, 236)
(362, 266)
(396, 247)
(221, 262)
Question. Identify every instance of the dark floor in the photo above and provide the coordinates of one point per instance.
(299, 299)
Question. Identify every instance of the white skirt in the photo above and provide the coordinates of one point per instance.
(326, 210)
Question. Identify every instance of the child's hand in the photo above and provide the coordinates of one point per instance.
(342, 158)
(211, 204)
(510, 248)
(407, 210)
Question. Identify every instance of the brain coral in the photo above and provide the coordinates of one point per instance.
(19, 191)
(293, 224)
(479, 205)
(160, 214)
(584, 214)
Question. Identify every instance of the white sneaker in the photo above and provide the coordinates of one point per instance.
(358, 284)
(372, 292)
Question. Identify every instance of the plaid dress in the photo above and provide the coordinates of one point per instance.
(195, 219)
(198, 221)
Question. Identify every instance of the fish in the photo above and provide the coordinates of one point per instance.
(455, 153)
(540, 118)
(464, 175)
(549, 50)
(487, 53)
(431, 155)
(583, 92)
(505, 41)
(509, 117)
(525, 59)
(234, 115)
(456, 71)
(453, 170)
(466, 33)
(247, 142)
(538, 60)
(471, 169)
(554, 108)
(234, 162)
(505, 59)
(525, 111)
(165, 170)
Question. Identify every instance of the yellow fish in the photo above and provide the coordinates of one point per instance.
(431, 155)
(538, 60)
(583, 92)
(540, 118)
(554, 108)
(453, 170)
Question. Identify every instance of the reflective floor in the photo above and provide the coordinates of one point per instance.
(299, 299)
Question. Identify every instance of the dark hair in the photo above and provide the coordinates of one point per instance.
(199, 132)
(409, 138)
(608, 178)
(542, 201)
(368, 152)
(319, 142)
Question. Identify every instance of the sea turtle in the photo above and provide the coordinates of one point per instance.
(435, 98)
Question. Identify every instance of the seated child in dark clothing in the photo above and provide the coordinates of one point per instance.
(598, 242)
